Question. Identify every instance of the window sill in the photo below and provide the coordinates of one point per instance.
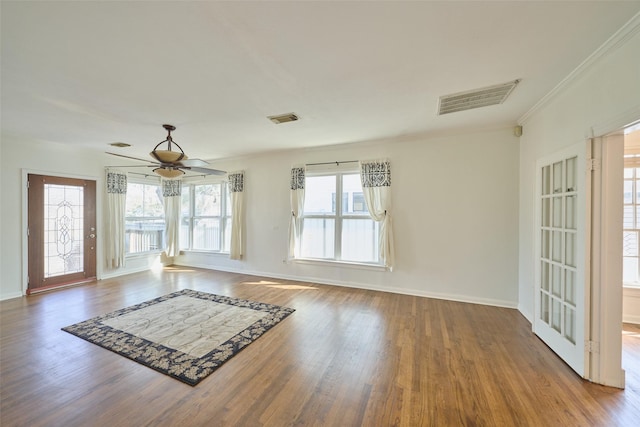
(345, 264)
(202, 251)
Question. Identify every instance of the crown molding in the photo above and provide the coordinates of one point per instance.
(611, 45)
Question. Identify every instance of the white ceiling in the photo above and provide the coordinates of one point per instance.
(92, 73)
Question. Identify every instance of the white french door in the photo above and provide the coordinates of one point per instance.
(561, 282)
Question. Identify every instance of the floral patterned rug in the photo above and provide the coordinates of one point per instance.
(186, 334)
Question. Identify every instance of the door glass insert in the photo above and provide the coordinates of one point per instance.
(558, 251)
(63, 229)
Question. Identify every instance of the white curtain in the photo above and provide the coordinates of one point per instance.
(115, 230)
(171, 195)
(297, 206)
(376, 186)
(236, 191)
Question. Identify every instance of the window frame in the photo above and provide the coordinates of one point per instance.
(163, 239)
(224, 217)
(338, 215)
(632, 162)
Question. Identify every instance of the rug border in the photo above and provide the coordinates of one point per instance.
(174, 363)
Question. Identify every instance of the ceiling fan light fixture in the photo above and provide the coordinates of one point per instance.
(168, 155)
(169, 173)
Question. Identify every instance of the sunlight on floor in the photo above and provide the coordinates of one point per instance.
(278, 285)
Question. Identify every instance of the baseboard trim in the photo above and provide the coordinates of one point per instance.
(402, 291)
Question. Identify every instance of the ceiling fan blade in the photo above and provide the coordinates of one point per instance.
(191, 163)
(133, 158)
(205, 171)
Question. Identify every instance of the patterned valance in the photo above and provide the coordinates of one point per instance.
(297, 178)
(376, 174)
(171, 187)
(236, 182)
(116, 183)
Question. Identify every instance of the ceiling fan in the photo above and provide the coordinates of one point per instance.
(173, 164)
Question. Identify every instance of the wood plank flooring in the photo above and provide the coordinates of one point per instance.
(346, 357)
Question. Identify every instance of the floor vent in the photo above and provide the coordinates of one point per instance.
(483, 97)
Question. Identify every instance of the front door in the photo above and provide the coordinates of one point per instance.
(61, 231)
(561, 298)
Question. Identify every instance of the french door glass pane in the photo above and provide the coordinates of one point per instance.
(318, 239)
(556, 280)
(570, 324)
(544, 276)
(359, 240)
(557, 211)
(556, 314)
(556, 246)
(570, 184)
(557, 177)
(63, 229)
(570, 212)
(570, 287)
(544, 307)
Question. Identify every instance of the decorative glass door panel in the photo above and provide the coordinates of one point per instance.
(560, 274)
(62, 232)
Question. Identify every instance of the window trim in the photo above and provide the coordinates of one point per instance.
(145, 181)
(338, 216)
(224, 217)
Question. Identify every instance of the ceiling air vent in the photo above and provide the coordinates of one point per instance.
(283, 118)
(483, 97)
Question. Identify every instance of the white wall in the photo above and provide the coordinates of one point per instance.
(455, 215)
(603, 95)
(19, 157)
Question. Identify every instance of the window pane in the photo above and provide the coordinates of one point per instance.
(319, 195)
(353, 196)
(207, 200)
(630, 243)
(627, 221)
(206, 234)
(184, 232)
(185, 205)
(134, 200)
(144, 235)
(153, 204)
(227, 235)
(628, 172)
(629, 270)
(360, 240)
(628, 192)
(318, 238)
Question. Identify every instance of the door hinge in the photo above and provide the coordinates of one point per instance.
(27, 231)
(593, 164)
(592, 347)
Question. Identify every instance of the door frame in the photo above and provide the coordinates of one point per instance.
(25, 219)
(606, 317)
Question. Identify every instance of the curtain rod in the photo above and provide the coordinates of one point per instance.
(337, 163)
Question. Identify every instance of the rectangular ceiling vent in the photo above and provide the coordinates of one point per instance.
(283, 118)
(483, 97)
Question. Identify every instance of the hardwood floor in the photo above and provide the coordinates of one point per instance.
(346, 357)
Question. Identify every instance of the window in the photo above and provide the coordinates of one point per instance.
(335, 222)
(144, 218)
(206, 217)
(631, 223)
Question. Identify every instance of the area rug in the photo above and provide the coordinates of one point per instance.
(186, 334)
